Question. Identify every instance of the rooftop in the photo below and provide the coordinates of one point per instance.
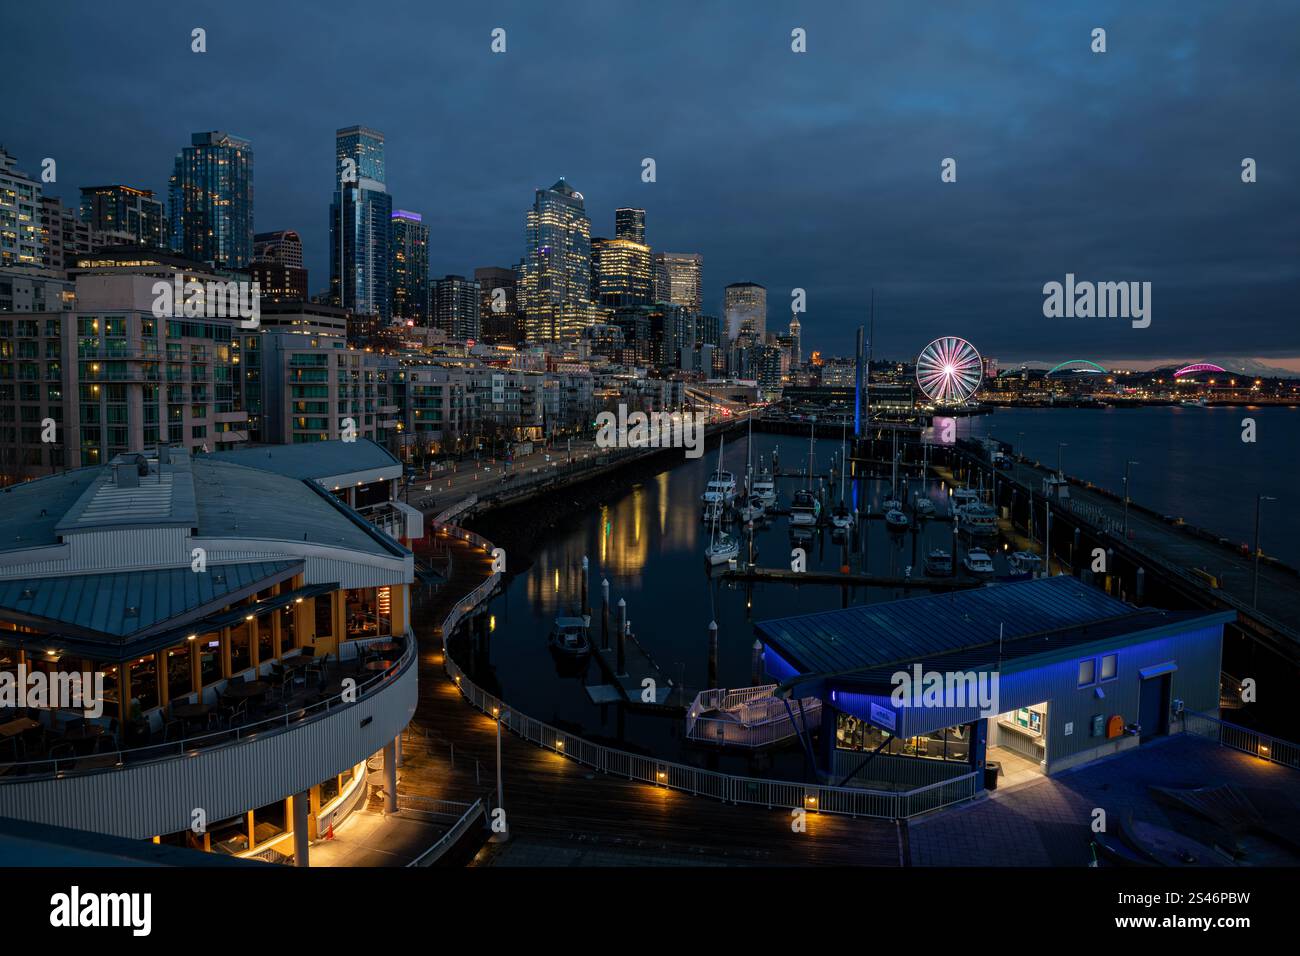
(1028, 617)
(312, 460)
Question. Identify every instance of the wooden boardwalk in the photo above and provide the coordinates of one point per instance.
(552, 801)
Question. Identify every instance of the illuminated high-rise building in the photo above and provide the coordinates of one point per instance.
(678, 279)
(620, 273)
(20, 216)
(744, 306)
(555, 277)
(408, 270)
(629, 223)
(211, 200)
(456, 306)
(360, 217)
(126, 210)
(499, 320)
(796, 342)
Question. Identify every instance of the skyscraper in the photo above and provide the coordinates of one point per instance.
(124, 209)
(360, 217)
(678, 279)
(629, 223)
(620, 273)
(498, 313)
(408, 274)
(744, 306)
(555, 278)
(211, 200)
(456, 306)
(796, 342)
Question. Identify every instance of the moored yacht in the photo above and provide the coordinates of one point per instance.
(977, 561)
(805, 509)
(938, 563)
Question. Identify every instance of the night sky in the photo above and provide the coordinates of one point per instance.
(817, 170)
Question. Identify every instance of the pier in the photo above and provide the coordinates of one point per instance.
(786, 576)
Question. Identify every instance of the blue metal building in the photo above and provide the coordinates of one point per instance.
(1040, 676)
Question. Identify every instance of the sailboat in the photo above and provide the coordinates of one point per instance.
(841, 517)
(764, 488)
(892, 503)
(751, 506)
(805, 509)
(722, 546)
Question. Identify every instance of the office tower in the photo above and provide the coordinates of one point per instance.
(456, 307)
(20, 216)
(744, 305)
(796, 341)
(629, 223)
(126, 211)
(620, 273)
(708, 330)
(555, 277)
(672, 329)
(499, 320)
(283, 246)
(360, 223)
(211, 200)
(408, 272)
(678, 278)
(278, 283)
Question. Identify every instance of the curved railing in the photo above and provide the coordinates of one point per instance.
(107, 760)
(850, 801)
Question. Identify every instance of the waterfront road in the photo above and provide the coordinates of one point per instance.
(1164, 542)
(562, 812)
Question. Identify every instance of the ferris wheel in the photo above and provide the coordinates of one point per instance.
(949, 370)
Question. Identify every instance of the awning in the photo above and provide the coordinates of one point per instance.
(1155, 670)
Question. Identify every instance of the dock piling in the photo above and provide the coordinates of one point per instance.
(756, 664)
(622, 638)
(585, 608)
(713, 654)
(604, 614)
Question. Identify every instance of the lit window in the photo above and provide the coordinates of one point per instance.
(1109, 666)
(1087, 672)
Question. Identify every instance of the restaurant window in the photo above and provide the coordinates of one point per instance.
(324, 617)
(367, 612)
(288, 629)
(1087, 672)
(144, 684)
(1109, 666)
(111, 687)
(209, 659)
(241, 655)
(329, 789)
(265, 638)
(179, 679)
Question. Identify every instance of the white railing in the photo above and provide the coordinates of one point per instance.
(1248, 741)
(468, 819)
(849, 801)
(445, 517)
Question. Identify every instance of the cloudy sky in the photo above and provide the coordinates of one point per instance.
(818, 170)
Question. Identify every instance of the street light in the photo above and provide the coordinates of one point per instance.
(1254, 596)
(503, 835)
(1126, 464)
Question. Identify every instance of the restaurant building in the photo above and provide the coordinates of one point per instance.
(251, 632)
(1033, 678)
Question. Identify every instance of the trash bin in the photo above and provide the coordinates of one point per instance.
(991, 770)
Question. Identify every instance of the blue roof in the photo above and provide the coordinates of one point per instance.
(914, 629)
(99, 603)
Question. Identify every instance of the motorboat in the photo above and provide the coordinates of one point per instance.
(721, 488)
(805, 509)
(938, 563)
(841, 517)
(569, 637)
(896, 520)
(964, 496)
(764, 489)
(923, 506)
(978, 519)
(723, 548)
(977, 561)
(750, 509)
(1025, 563)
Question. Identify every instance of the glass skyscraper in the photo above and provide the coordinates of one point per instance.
(211, 200)
(744, 305)
(360, 218)
(555, 277)
(408, 273)
(678, 279)
(620, 271)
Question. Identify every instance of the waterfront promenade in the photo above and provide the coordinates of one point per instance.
(562, 812)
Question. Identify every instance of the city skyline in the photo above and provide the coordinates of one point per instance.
(817, 176)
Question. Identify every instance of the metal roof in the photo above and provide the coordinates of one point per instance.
(135, 602)
(315, 460)
(923, 628)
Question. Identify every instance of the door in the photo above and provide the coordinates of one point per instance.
(1153, 707)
